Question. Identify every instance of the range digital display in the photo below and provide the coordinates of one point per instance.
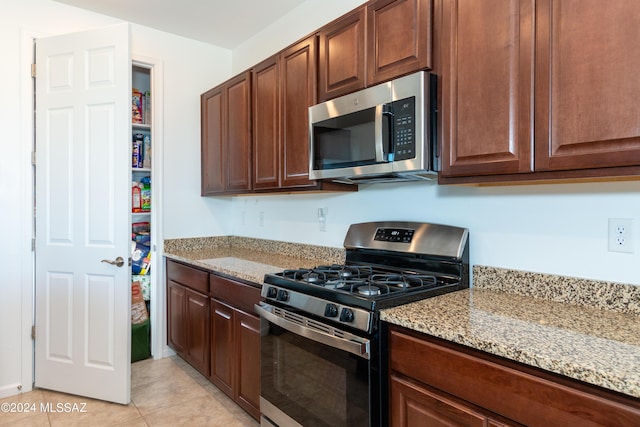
(401, 235)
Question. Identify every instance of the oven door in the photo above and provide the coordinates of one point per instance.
(311, 373)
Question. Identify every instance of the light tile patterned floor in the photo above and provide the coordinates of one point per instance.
(164, 392)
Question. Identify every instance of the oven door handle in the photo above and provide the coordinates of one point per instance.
(354, 347)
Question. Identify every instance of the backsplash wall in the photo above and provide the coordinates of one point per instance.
(555, 228)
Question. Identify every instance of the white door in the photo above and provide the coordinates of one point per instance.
(83, 110)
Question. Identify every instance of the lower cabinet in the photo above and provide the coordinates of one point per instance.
(215, 330)
(197, 320)
(434, 382)
(414, 404)
(235, 342)
(188, 314)
(222, 346)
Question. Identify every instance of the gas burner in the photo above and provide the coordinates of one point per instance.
(369, 290)
(314, 278)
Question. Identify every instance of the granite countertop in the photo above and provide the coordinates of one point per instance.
(595, 345)
(247, 258)
(586, 330)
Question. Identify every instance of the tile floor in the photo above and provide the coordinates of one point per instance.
(164, 392)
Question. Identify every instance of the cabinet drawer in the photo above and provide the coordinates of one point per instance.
(239, 295)
(188, 276)
(520, 393)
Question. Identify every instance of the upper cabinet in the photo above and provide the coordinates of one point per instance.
(398, 38)
(213, 142)
(341, 65)
(374, 43)
(298, 93)
(587, 85)
(226, 137)
(487, 86)
(284, 87)
(539, 90)
(266, 125)
(255, 127)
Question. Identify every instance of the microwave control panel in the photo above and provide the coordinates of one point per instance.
(404, 128)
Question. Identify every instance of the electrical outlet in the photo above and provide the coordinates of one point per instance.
(261, 219)
(620, 235)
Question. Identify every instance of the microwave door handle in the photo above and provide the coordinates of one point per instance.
(379, 137)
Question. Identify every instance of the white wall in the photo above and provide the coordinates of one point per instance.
(189, 69)
(559, 229)
(298, 23)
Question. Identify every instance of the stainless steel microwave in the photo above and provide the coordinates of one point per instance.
(379, 134)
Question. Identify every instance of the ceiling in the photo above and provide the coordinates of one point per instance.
(223, 23)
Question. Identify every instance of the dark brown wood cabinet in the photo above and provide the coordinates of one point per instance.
(235, 342)
(267, 153)
(211, 325)
(197, 329)
(298, 93)
(587, 85)
(222, 343)
(176, 334)
(415, 404)
(538, 90)
(284, 87)
(435, 379)
(213, 142)
(487, 87)
(377, 42)
(399, 36)
(341, 65)
(188, 314)
(248, 359)
(255, 127)
(226, 137)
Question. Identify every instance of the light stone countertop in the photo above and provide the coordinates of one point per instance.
(586, 330)
(247, 258)
(594, 345)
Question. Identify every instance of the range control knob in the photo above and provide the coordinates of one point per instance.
(346, 315)
(331, 310)
(272, 292)
(282, 295)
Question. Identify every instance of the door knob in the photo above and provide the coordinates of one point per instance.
(118, 262)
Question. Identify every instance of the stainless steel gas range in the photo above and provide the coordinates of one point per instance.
(323, 348)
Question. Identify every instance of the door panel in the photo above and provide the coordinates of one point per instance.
(298, 69)
(587, 90)
(83, 116)
(487, 87)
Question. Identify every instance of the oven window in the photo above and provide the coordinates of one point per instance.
(314, 384)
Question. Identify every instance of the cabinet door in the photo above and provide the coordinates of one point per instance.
(176, 333)
(213, 147)
(298, 80)
(341, 66)
(398, 38)
(238, 130)
(266, 125)
(487, 87)
(415, 406)
(587, 85)
(197, 327)
(222, 347)
(248, 357)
